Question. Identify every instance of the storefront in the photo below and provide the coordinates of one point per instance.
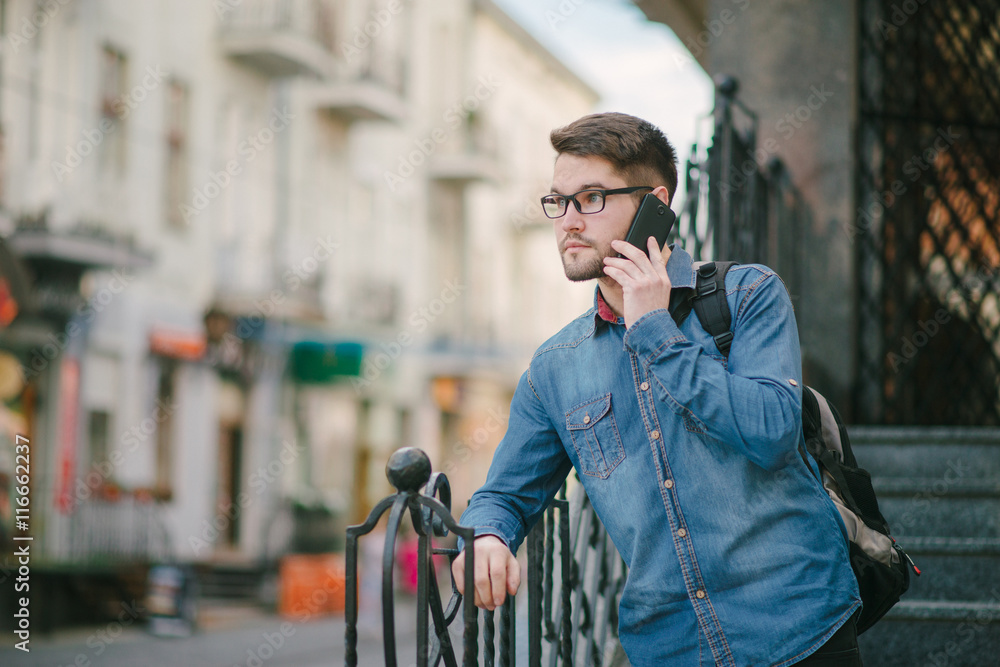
(17, 403)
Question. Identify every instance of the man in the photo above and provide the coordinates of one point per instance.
(736, 556)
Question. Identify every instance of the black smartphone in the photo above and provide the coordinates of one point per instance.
(654, 218)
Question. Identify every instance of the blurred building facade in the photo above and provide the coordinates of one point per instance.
(251, 247)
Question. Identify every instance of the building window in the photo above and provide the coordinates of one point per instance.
(34, 74)
(98, 428)
(114, 111)
(230, 474)
(165, 392)
(176, 184)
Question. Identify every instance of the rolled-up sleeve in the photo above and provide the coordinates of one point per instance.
(528, 468)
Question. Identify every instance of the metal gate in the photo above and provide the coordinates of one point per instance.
(575, 578)
(927, 222)
(741, 204)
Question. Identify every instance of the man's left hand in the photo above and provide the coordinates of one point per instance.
(644, 281)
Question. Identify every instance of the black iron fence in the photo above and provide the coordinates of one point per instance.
(741, 204)
(574, 580)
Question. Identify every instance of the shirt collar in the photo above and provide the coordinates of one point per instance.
(680, 270)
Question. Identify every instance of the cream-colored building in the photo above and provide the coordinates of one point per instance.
(267, 243)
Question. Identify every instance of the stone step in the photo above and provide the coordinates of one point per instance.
(232, 582)
(939, 488)
(986, 612)
(954, 547)
(930, 461)
(954, 568)
(931, 487)
(918, 633)
(923, 435)
(929, 515)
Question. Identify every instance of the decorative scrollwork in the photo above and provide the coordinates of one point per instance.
(589, 573)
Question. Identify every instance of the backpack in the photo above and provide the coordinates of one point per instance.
(880, 565)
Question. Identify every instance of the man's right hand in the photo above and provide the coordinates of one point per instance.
(496, 573)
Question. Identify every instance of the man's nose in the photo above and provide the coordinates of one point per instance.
(573, 220)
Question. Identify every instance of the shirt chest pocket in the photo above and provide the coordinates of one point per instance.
(595, 436)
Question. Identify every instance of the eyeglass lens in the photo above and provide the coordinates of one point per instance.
(587, 201)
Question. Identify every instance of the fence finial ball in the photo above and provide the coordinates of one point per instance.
(726, 84)
(408, 469)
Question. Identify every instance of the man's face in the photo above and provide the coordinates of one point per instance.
(585, 240)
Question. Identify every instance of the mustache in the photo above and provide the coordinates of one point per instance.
(577, 238)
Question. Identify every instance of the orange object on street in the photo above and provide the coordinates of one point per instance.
(311, 585)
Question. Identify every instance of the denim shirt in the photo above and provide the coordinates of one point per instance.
(736, 555)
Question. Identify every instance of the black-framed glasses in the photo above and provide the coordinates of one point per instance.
(586, 201)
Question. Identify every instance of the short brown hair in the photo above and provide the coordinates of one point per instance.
(639, 152)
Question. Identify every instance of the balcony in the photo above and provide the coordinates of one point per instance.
(58, 258)
(359, 99)
(463, 168)
(82, 249)
(367, 86)
(280, 38)
(469, 159)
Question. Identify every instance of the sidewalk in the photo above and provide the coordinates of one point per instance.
(232, 639)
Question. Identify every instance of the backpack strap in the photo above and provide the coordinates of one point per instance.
(709, 303)
(680, 303)
(826, 439)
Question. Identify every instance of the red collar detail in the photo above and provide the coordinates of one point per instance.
(604, 310)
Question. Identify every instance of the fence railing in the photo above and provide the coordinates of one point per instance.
(741, 204)
(574, 580)
(307, 18)
(123, 530)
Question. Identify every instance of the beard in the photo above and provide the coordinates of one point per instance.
(581, 269)
(580, 272)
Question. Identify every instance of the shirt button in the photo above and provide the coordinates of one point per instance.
(682, 533)
(655, 435)
(793, 382)
(586, 419)
(644, 386)
(700, 594)
(669, 484)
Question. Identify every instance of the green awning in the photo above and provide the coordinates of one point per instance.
(322, 363)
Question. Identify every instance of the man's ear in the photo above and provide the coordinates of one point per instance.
(662, 194)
